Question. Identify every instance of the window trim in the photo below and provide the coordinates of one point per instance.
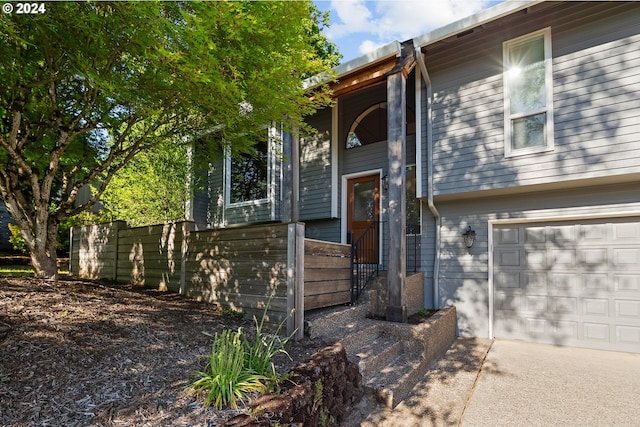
(272, 134)
(509, 151)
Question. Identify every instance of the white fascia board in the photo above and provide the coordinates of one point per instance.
(501, 10)
(387, 51)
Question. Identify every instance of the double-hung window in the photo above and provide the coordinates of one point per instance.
(528, 88)
(248, 175)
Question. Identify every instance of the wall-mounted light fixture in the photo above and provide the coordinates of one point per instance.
(469, 237)
(385, 182)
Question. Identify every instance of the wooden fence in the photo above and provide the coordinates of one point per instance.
(244, 268)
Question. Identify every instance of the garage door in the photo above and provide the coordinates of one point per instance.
(575, 284)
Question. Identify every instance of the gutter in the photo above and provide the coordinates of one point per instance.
(432, 207)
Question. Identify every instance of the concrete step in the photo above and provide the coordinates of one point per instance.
(393, 382)
(388, 371)
(371, 349)
(377, 356)
(392, 357)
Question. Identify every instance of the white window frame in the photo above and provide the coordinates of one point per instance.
(273, 134)
(548, 81)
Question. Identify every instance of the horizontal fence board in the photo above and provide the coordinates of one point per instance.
(241, 287)
(148, 258)
(241, 233)
(151, 263)
(151, 275)
(322, 274)
(237, 265)
(216, 276)
(152, 240)
(222, 246)
(326, 262)
(326, 300)
(317, 288)
(320, 247)
(98, 263)
(161, 230)
(238, 300)
(255, 258)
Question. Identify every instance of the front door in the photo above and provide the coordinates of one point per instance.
(363, 209)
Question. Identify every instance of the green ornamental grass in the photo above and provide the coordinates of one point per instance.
(239, 366)
(226, 379)
(260, 352)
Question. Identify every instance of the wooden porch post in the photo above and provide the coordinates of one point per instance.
(396, 193)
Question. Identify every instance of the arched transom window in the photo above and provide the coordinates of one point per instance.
(369, 127)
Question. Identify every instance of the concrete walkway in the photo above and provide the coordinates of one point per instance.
(511, 383)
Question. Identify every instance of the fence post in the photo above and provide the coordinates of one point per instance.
(295, 280)
(116, 226)
(187, 227)
(71, 249)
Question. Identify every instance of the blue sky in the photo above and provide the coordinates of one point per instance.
(359, 26)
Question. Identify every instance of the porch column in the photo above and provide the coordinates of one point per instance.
(396, 152)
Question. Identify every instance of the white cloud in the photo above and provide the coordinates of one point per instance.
(388, 20)
(369, 46)
(354, 16)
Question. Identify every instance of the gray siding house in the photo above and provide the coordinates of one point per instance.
(5, 234)
(518, 126)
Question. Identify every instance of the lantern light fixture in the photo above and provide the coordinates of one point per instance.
(469, 237)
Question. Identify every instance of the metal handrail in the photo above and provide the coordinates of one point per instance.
(363, 268)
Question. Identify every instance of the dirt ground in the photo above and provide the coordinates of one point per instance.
(88, 353)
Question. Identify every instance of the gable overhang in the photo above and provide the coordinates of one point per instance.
(364, 71)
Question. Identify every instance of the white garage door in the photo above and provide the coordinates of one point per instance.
(575, 284)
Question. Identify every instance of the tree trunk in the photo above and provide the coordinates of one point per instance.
(43, 255)
(45, 264)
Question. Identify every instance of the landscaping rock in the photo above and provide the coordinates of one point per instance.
(319, 392)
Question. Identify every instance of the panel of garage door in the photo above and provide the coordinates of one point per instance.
(575, 284)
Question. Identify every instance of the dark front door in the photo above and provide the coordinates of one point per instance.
(363, 209)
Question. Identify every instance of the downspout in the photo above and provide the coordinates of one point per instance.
(432, 206)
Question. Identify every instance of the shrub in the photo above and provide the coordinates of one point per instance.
(16, 239)
(230, 313)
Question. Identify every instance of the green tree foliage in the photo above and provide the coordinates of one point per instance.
(150, 189)
(87, 86)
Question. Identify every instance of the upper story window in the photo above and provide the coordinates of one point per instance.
(528, 93)
(369, 127)
(248, 176)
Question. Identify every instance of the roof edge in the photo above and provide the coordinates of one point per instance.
(382, 53)
(498, 11)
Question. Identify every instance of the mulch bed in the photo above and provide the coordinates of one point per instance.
(96, 353)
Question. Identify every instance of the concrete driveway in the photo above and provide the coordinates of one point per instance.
(482, 382)
(523, 384)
